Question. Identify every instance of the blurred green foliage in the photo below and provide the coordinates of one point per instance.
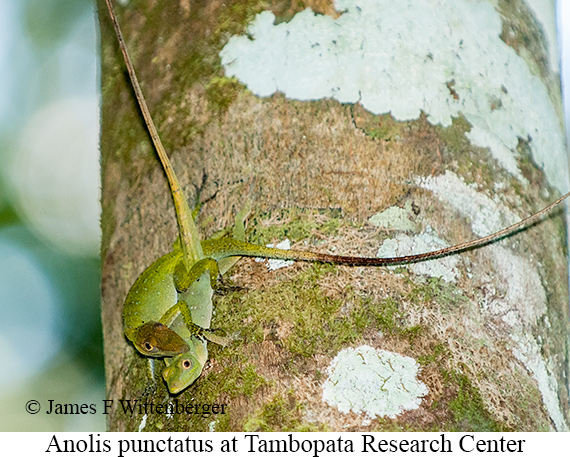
(39, 29)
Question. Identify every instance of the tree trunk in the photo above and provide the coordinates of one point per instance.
(297, 118)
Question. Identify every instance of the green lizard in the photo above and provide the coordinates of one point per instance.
(181, 371)
(168, 309)
(166, 290)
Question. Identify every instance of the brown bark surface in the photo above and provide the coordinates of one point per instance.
(316, 172)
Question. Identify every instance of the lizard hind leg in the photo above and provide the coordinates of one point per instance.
(241, 217)
(182, 309)
(238, 233)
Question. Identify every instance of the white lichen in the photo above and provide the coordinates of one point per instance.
(521, 285)
(517, 296)
(402, 245)
(142, 425)
(396, 218)
(485, 214)
(276, 264)
(373, 382)
(442, 57)
(529, 353)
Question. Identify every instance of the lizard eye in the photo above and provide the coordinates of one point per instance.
(148, 346)
(186, 363)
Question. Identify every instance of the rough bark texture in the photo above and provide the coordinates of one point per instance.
(317, 171)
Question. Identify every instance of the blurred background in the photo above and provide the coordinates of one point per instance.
(50, 329)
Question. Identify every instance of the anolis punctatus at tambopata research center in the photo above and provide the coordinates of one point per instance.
(160, 323)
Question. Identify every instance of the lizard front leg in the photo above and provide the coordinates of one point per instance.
(182, 309)
(183, 278)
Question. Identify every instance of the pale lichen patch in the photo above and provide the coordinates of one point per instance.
(142, 424)
(513, 290)
(521, 284)
(401, 245)
(485, 215)
(373, 382)
(276, 264)
(365, 56)
(528, 352)
(395, 218)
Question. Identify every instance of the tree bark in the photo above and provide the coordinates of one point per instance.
(488, 328)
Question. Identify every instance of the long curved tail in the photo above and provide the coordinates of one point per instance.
(189, 236)
(230, 247)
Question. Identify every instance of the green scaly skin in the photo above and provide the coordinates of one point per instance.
(166, 290)
(182, 370)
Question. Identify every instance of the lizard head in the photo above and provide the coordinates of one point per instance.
(154, 339)
(181, 371)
